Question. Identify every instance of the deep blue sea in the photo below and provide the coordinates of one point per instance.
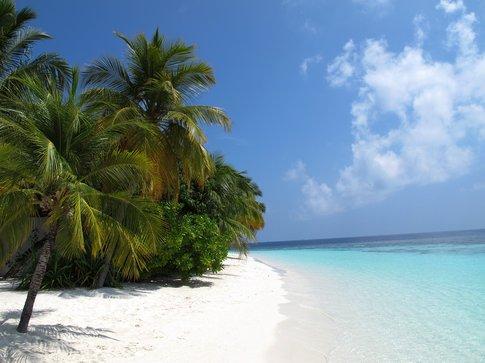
(413, 298)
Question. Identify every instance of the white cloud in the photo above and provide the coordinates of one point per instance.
(307, 62)
(462, 35)
(420, 24)
(451, 6)
(415, 120)
(342, 68)
(297, 172)
(318, 196)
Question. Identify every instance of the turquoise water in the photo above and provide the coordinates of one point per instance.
(404, 298)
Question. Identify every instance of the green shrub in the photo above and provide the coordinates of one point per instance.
(193, 246)
(61, 272)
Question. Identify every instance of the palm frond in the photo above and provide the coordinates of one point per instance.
(192, 79)
(122, 170)
(208, 115)
(17, 212)
(108, 72)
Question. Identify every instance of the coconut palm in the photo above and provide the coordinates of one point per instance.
(60, 168)
(159, 80)
(16, 41)
(231, 198)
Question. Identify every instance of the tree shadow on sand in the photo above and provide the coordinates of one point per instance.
(159, 282)
(41, 339)
(129, 290)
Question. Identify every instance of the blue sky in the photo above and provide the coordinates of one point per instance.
(355, 117)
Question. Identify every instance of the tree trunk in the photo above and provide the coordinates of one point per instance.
(104, 270)
(35, 283)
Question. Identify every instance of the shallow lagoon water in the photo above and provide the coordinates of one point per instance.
(397, 298)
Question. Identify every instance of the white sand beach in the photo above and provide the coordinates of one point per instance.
(227, 317)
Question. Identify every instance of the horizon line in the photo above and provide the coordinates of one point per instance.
(372, 236)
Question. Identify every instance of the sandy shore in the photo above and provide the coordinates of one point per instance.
(227, 317)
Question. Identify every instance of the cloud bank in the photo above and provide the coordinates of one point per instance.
(415, 120)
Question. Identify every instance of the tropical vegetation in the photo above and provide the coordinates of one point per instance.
(104, 172)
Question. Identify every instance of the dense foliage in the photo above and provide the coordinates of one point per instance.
(63, 272)
(104, 174)
(58, 162)
(194, 245)
(230, 198)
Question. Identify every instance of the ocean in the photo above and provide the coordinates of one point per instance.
(399, 298)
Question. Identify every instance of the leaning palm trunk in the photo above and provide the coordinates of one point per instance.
(35, 283)
(104, 270)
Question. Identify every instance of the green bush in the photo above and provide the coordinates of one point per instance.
(62, 272)
(193, 246)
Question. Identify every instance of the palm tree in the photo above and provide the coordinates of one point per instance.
(60, 164)
(231, 198)
(16, 41)
(158, 82)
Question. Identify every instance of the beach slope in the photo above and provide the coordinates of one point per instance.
(230, 316)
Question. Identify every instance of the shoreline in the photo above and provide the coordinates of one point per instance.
(229, 316)
(306, 335)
